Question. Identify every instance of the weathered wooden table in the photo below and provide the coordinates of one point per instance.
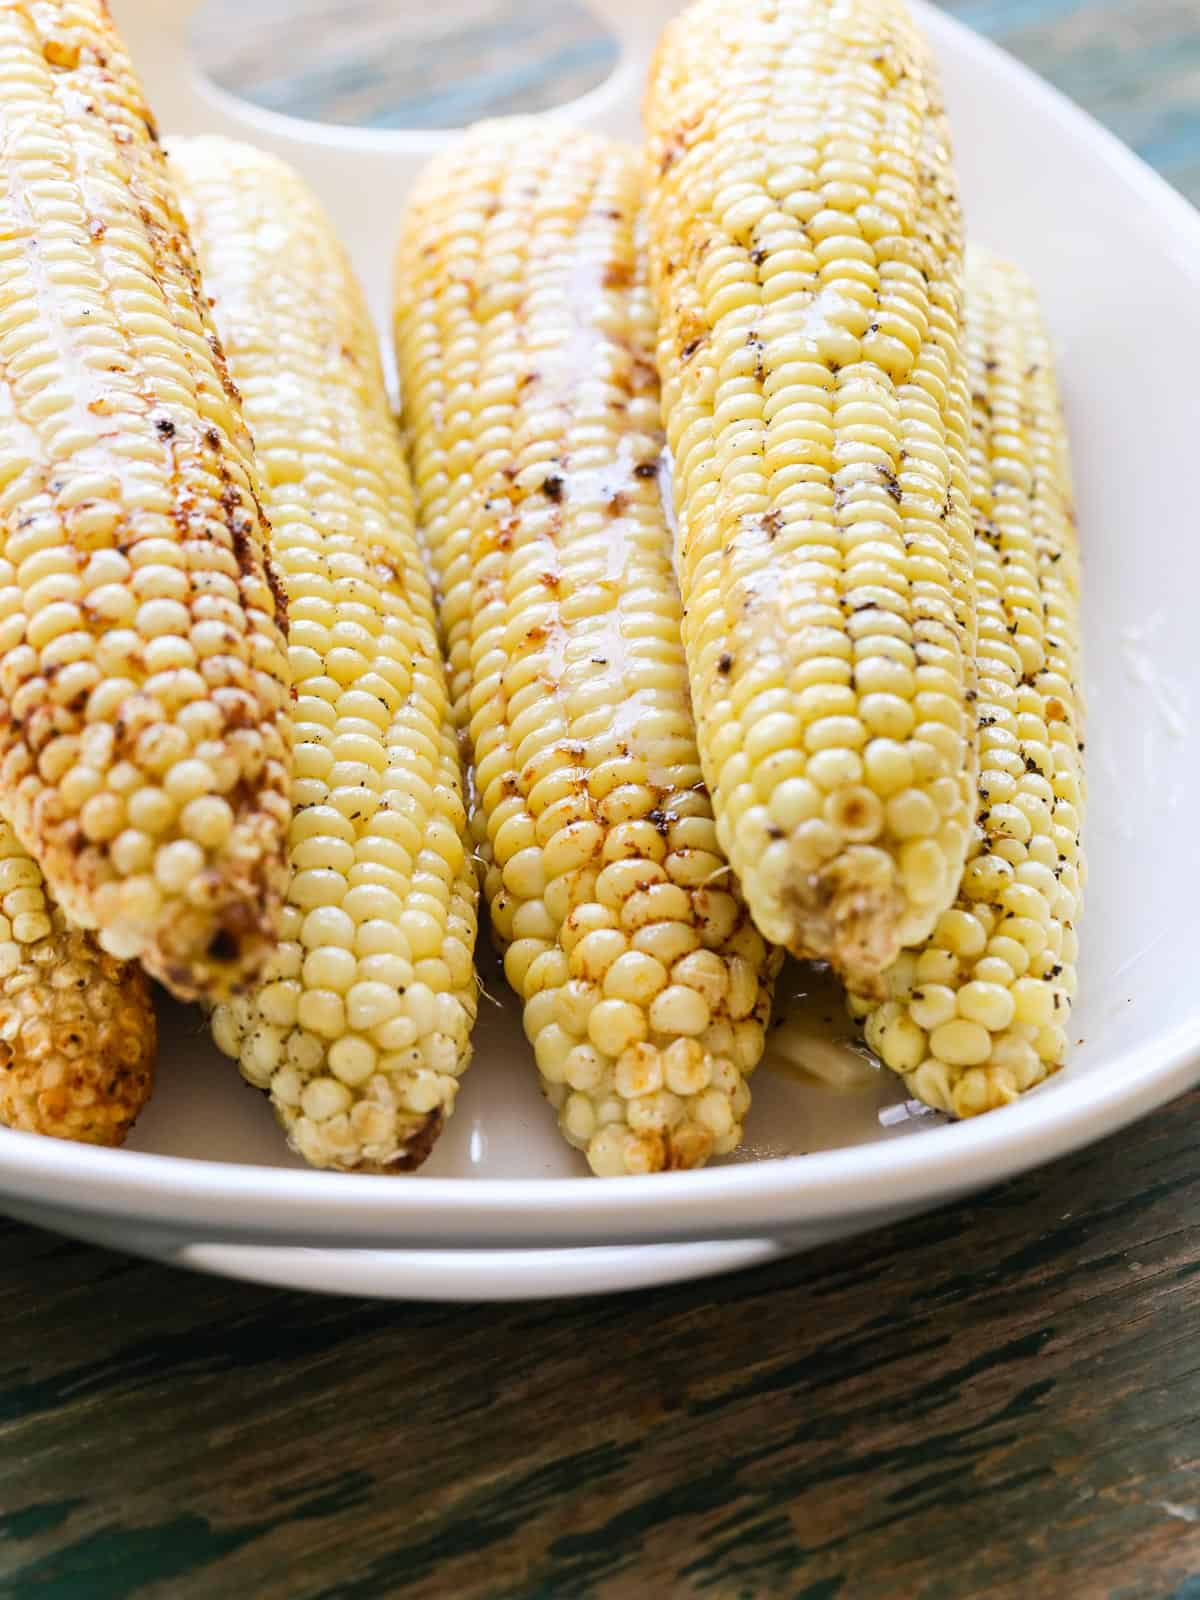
(1002, 1399)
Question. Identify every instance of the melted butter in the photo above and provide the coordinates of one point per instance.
(838, 1064)
(97, 391)
(1141, 667)
(666, 495)
(89, 393)
(819, 1088)
(812, 1038)
(561, 373)
(556, 654)
(820, 318)
(600, 491)
(627, 719)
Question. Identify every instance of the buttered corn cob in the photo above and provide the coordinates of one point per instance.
(362, 1024)
(979, 1014)
(525, 337)
(806, 249)
(143, 680)
(77, 1029)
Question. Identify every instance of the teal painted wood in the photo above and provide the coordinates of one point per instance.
(1002, 1399)
(1133, 63)
(383, 65)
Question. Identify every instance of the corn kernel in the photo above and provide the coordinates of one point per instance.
(614, 1025)
(932, 1006)
(679, 1010)
(961, 1043)
(636, 977)
(990, 1004)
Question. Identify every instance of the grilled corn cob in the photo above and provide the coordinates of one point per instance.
(525, 336)
(77, 1029)
(143, 744)
(806, 250)
(362, 1024)
(978, 1015)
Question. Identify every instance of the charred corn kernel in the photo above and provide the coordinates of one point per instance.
(1002, 959)
(77, 1029)
(361, 1054)
(806, 250)
(142, 658)
(525, 338)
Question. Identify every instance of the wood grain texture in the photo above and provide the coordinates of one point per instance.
(1002, 1399)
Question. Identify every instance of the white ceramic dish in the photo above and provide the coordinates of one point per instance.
(502, 1211)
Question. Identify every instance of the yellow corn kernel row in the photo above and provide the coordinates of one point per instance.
(525, 339)
(77, 1029)
(361, 1026)
(143, 679)
(979, 1014)
(806, 249)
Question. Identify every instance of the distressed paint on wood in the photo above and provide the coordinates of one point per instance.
(1135, 64)
(386, 65)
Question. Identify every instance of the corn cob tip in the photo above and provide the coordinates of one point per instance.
(706, 1098)
(77, 1039)
(365, 1128)
(412, 1146)
(682, 1104)
(368, 1126)
(847, 913)
(211, 945)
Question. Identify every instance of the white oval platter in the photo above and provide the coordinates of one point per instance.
(503, 1210)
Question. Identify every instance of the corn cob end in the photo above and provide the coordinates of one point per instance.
(203, 914)
(847, 913)
(77, 1039)
(334, 1119)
